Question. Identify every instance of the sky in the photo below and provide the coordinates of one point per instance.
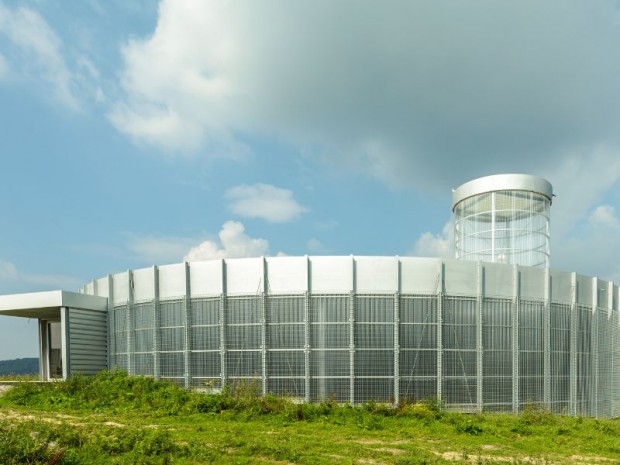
(151, 132)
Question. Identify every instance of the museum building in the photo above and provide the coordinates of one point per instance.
(492, 330)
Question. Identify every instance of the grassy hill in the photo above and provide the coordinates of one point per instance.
(19, 366)
(114, 418)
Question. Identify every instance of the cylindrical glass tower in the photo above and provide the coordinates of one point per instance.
(503, 218)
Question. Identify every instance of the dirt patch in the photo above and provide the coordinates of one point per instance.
(113, 424)
(370, 441)
(391, 450)
(587, 459)
(4, 388)
(454, 456)
(489, 447)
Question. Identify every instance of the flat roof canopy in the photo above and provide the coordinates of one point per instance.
(46, 305)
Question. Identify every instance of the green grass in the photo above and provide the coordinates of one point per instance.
(113, 418)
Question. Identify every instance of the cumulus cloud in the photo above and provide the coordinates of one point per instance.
(317, 247)
(592, 250)
(264, 201)
(159, 249)
(4, 67)
(405, 90)
(233, 243)
(436, 245)
(14, 280)
(36, 52)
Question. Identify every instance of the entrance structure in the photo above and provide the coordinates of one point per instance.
(72, 330)
(476, 335)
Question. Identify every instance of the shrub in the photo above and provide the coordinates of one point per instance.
(537, 415)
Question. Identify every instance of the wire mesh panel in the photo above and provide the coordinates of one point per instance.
(120, 340)
(346, 347)
(418, 347)
(172, 339)
(560, 357)
(330, 339)
(286, 345)
(531, 352)
(143, 323)
(604, 352)
(615, 360)
(243, 338)
(205, 355)
(584, 361)
(459, 351)
(497, 354)
(374, 348)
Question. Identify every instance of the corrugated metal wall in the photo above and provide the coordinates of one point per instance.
(87, 341)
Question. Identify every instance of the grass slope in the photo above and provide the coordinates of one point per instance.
(113, 418)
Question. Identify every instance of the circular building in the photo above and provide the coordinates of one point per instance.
(476, 334)
(503, 219)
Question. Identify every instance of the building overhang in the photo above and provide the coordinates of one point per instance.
(47, 305)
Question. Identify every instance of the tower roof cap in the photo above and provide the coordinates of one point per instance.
(502, 182)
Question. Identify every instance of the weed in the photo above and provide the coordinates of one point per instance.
(536, 414)
(469, 427)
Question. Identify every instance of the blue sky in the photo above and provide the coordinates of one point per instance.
(144, 132)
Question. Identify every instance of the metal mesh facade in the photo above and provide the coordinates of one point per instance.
(504, 227)
(495, 348)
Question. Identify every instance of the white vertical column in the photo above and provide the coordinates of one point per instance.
(111, 324)
(516, 282)
(307, 340)
(572, 409)
(594, 349)
(397, 334)
(479, 347)
(352, 334)
(307, 397)
(440, 293)
(65, 337)
(613, 381)
(187, 317)
(396, 348)
(224, 373)
(547, 340)
(156, 324)
(129, 324)
(263, 332)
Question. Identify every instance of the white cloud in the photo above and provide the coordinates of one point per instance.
(4, 67)
(411, 92)
(436, 245)
(605, 216)
(316, 246)
(579, 184)
(264, 201)
(38, 51)
(156, 249)
(233, 243)
(592, 249)
(14, 280)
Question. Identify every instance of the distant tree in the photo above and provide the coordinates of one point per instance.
(19, 366)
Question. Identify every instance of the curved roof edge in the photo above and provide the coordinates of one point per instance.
(502, 182)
